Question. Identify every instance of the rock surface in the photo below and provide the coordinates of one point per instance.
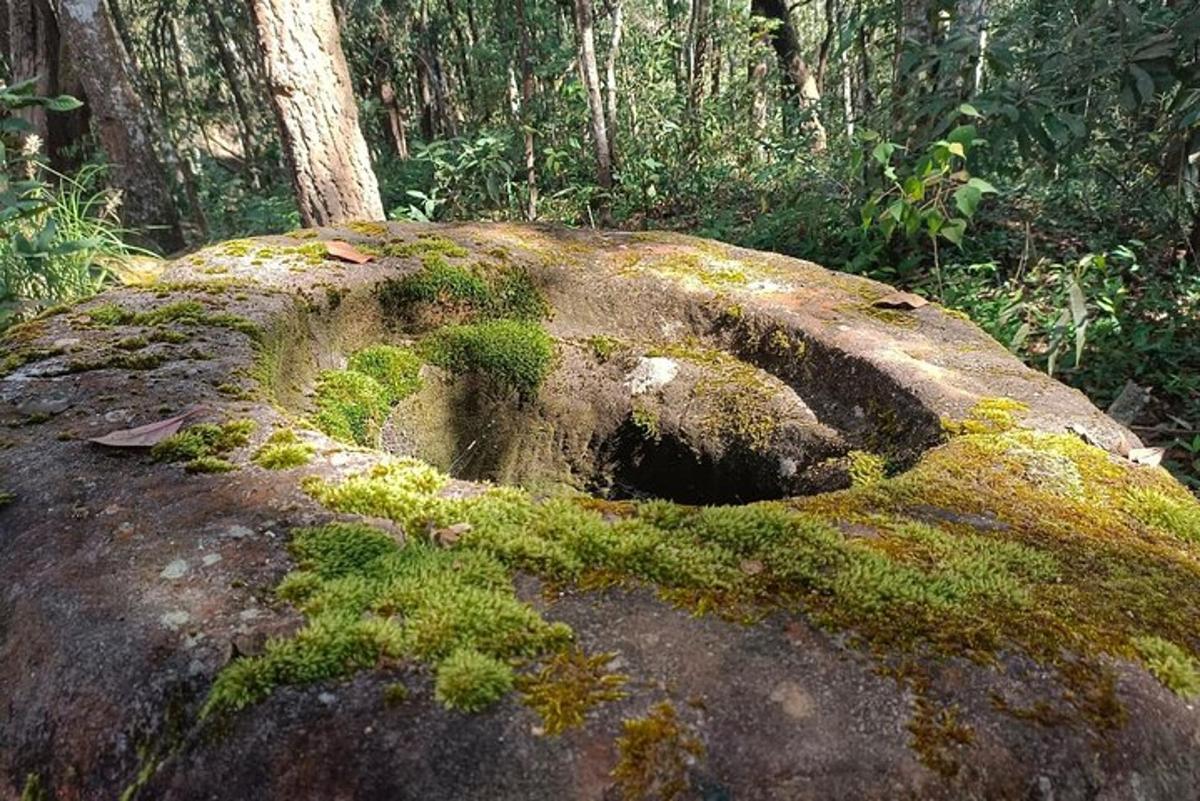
(953, 586)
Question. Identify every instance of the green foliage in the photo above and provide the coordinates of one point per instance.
(512, 353)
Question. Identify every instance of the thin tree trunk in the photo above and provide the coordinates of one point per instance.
(187, 173)
(219, 36)
(758, 104)
(610, 75)
(124, 124)
(591, 81)
(33, 38)
(314, 104)
(395, 115)
(801, 82)
(697, 51)
(527, 111)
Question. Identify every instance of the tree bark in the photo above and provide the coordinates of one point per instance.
(219, 36)
(586, 39)
(32, 46)
(527, 112)
(610, 78)
(697, 51)
(314, 104)
(123, 122)
(800, 82)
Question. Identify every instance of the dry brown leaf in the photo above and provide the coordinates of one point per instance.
(146, 436)
(1147, 456)
(346, 252)
(900, 300)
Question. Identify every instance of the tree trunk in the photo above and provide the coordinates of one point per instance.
(219, 36)
(314, 104)
(610, 76)
(586, 36)
(32, 46)
(395, 116)
(800, 81)
(697, 51)
(527, 111)
(126, 130)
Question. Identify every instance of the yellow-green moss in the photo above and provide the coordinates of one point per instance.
(512, 353)
(1177, 513)
(866, 468)
(470, 681)
(283, 450)
(568, 686)
(200, 444)
(209, 464)
(426, 245)
(368, 228)
(1174, 667)
(646, 420)
(350, 406)
(474, 291)
(604, 347)
(398, 370)
(6, 498)
(987, 416)
(368, 598)
(654, 754)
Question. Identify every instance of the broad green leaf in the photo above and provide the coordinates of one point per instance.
(983, 186)
(953, 231)
(63, 103)
(968, 110)
(967, 198)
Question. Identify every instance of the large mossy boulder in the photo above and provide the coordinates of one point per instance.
(522, 513)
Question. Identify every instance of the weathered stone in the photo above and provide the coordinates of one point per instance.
(681, 368)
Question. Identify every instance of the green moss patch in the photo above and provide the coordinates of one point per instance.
(283, 450)
(568, 685)
(512, 353)
(352, 404)
(480, 290)
(184, 311)
(369, 599)
(426, 245)
(398, 370)
(1172, 665)
(201, 446)
(654, 754)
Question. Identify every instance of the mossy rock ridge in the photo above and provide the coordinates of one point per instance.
(933, 575)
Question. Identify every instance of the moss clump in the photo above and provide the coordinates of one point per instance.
(202, 445)
(987, 416)
(654, 755)
(603, 348)
(398, 370)
(708, 270)
(6, 498)
(1066, 579)
(369, 599)
(938, 735)
(866, 468)
(209, 464)
(350, 406)
(1174, 667)
(1176, 514)
(514, 354)
(368, 228)
(283, 450)
(568, 686)
(646, 421)
(132, 343)
(426, 245)
(395, 694)
(184, 311)
(467, 291)
(34, 790)
(470, 681)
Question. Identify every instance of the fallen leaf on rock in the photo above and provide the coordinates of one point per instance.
(346, 252)
(900, 300)
(1147, 456)
(146, 436)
